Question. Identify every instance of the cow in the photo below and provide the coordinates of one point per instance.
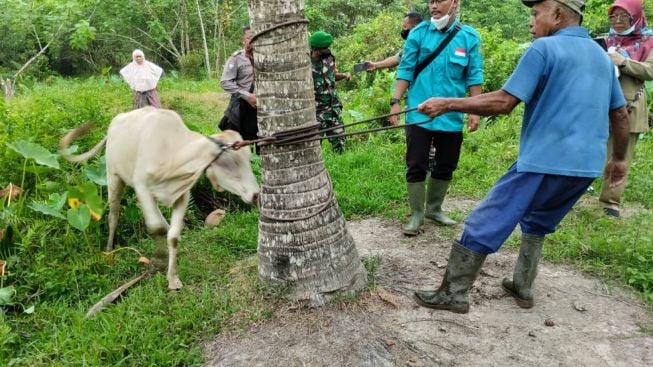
(152, 151)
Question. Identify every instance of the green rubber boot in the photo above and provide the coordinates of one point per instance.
(434, 197)
(521, 284)
(462, 270)
(416, 202)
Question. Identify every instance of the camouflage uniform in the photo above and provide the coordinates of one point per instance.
(327, 104)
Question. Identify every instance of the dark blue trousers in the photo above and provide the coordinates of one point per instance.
(535, 201)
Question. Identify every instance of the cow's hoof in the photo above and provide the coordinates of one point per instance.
(175, 285)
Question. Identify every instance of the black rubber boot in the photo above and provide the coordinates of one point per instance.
(521, 284)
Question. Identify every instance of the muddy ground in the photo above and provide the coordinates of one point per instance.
(593, 323)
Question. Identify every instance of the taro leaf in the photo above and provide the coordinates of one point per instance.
(79, 217)
(6, 295)
(98, 172)
(36, 152)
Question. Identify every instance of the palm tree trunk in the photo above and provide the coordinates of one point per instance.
(303, 240)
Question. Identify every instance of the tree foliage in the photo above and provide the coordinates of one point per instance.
(94, 36)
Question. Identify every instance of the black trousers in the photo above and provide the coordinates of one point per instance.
(447, 152)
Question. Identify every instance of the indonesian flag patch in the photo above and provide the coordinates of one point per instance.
(460, 52)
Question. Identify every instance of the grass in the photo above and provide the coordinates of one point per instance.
(63, 273)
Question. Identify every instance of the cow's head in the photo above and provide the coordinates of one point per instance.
(232, 170)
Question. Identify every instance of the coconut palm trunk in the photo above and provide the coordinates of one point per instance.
(303, 239)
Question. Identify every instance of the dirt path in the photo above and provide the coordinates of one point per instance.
(593, 323)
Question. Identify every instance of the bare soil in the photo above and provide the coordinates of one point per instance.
(578, 320)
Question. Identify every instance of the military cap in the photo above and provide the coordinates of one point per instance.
(320, 39)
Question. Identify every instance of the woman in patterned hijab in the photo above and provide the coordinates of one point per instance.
(629, 46)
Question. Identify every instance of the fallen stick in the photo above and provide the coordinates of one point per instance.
(113, 295)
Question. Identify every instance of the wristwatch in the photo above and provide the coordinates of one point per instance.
(394, 101)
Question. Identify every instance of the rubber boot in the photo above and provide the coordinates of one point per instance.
(462, 270)
(434, 197)
(416, 202)
(521, 284)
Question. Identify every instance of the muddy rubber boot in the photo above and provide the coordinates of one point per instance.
(416, 203)
(462, 270)
(434, 197)
(521, 284)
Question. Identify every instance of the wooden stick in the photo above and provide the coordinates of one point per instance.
(113, 295)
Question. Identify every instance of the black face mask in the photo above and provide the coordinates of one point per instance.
(325, 53)
(404, 33)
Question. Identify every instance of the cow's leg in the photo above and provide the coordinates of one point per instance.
(174, 234)
(156, 224)
(116, 186)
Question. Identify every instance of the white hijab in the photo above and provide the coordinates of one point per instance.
(141, 77)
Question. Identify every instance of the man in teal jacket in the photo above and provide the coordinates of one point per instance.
(456, 70)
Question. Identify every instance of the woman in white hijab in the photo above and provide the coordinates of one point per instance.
(142, 76)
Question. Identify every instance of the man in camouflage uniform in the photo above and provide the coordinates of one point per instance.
(327, 104)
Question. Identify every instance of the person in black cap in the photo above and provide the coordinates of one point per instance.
(572, 97)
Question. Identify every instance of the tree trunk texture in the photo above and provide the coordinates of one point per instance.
(303, 240)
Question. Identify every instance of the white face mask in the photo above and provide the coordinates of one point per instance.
(441, 23)
(626, 32)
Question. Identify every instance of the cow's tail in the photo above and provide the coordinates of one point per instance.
(64, 144)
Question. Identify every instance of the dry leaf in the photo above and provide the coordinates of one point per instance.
(2, 268)
(388, 297)
(144, 260)
(11, 191)
(214, 218)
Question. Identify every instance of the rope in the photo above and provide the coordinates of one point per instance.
(297, 135)
(277, 26)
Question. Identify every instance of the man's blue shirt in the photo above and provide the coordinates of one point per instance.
(569, 85)
(458, 67)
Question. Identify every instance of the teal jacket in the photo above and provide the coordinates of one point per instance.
(459, 66)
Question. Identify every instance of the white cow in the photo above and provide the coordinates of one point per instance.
(152, 151)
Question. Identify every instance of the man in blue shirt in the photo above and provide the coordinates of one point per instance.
(572, 97)
(458, 68)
